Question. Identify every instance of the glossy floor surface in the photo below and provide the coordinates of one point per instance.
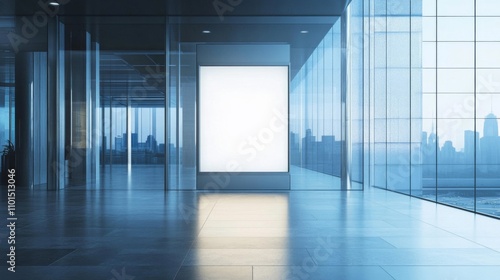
(150, 234)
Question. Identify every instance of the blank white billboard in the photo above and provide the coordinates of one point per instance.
(243, 119)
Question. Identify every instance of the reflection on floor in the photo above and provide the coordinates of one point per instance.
(150, 234)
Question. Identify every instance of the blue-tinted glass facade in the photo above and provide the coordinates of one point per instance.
(434, 117)
(316, 111)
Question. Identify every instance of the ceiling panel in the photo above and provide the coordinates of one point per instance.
(182, 7)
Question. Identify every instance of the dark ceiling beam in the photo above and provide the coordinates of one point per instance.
(181, 7)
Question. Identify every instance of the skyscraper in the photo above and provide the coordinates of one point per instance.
(471, 139)
(490, 144)
(490, 126)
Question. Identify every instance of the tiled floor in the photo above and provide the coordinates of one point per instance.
(150, 234)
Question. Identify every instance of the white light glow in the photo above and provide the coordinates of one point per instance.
(243, 118)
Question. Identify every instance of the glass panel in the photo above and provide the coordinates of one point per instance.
(398, 7)
(398, 45)
(487, 8)
(456, 55)
(380, 164)
(486, 104)
(488, 164)
(486, 80)
(455, 7)
(429, 109)
(429, 7)
(429, 150)
(429, 55)
(429, 29)
(455, 106)
(398, 93)
(455, 170)
(455, 28)
(487, 28)
(455, 80)
(429, 83)
(486, 55)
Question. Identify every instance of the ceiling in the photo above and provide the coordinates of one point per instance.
(181, 7)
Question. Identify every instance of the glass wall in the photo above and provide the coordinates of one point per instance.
(316, 116)
(326, 109)
(7, 88)
(23, 99)
(434, 92)
(132, 94)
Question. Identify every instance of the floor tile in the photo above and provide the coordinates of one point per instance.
(214, 273)
(431, 242)
(368, 256)
(444, 272)
(311, 271)
(36, 256)
(246, 256)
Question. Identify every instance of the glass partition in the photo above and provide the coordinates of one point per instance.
(7, 91)
(434, 94)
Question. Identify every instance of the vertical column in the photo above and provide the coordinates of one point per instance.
(96, 132)
(55, 106)
(39, 118)
(345, 138)
(24, 118)
(188, 105)
(367, 117)
(81, 102)
(167, 103)
(129, 134)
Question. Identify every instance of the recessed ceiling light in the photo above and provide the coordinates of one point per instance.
(206, 32)
(53, 3)
(304, 31)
